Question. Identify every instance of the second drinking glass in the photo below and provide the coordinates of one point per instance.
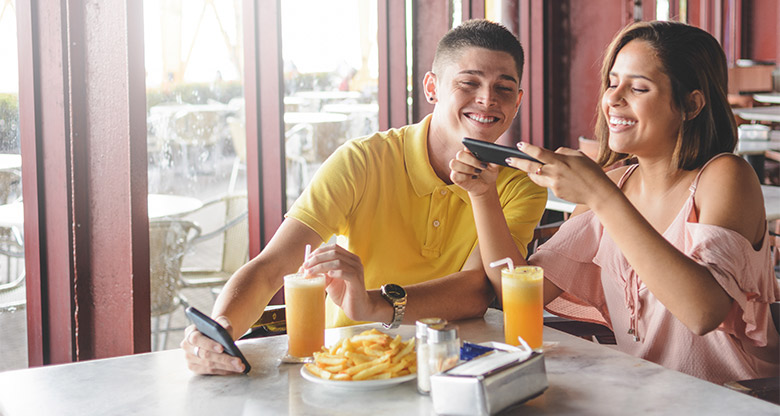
(523, 301)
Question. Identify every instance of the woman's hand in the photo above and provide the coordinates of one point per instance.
(471, 174)
(344, 280)
(569, 173)
(206, 356)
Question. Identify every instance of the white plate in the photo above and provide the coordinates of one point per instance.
(357, 385)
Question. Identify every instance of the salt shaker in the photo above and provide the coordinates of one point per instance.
(421, 339)
(443, 349)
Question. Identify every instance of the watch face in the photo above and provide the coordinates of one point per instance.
(394, 291)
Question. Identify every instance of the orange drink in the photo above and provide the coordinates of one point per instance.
(304, 296)
(523, 300)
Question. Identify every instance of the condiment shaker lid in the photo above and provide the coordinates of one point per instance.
(423, 324)
(448, 333)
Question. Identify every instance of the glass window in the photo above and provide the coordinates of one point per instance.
(13, 314)
(662, 9)
(330, 81)
(196, 156)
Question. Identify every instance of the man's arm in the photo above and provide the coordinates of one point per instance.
(249, 290)
(246, 294)
(461, 295)
(465, 294)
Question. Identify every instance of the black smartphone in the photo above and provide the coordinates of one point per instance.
(494, 153)
(215, 331)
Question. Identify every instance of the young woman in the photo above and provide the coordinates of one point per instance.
(672, 252)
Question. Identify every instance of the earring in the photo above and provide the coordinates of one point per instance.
(430, 99)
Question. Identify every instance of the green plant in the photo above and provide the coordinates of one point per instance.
(9, 123)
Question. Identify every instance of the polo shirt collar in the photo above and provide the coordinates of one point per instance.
(424, 180)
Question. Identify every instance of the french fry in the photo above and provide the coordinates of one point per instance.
(370, 355)
(318, 371)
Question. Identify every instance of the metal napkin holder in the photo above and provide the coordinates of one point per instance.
(489, 392)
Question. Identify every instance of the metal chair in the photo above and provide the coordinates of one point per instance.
(13, 294)
(235, 245)
(10, 186)
(168, 242)
(10, 237)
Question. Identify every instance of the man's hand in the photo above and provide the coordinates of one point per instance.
(206, 356)
(344, 281)
(471, 174)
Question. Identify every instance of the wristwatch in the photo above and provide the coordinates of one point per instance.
(396, 296)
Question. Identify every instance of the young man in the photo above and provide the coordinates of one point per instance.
(391, 194)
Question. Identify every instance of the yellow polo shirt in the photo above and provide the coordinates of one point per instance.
(406, 225)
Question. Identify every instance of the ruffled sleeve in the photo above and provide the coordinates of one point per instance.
(744, 273)
(567, 260)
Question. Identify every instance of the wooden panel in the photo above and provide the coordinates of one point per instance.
(111, 230)
(761, 40)
(391, 38)
(36, 351)
(86, 237)
(263, 94)
(430, 22)
(473, 9)
(586, 46)
(531, 29)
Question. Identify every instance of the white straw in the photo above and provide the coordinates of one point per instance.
(307, 253)
(507, 261)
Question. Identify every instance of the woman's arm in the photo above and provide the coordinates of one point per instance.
(686, 288)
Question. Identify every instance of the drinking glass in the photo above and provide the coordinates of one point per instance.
(523, 299)
(305, 315)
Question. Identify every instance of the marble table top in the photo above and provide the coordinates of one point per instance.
(584, 379)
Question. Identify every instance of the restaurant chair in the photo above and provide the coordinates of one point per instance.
(299, 154)
(169, 240)
(271, 322)
(238, 138)
(763, 388)
(13, 295)
(235, 245)
(12, 248)
(10, 186)
(542, 233)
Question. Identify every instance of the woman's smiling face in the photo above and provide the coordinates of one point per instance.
(642, 118)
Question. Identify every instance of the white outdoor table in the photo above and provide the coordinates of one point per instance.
(768, 97)
(771, 114)
(771, 201)
(159, 206)
(10, 161)
(584, 379)
(557, 204)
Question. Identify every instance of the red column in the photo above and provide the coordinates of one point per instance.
(83, 133)
(391, 39)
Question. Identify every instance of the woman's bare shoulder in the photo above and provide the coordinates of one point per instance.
(729, 194)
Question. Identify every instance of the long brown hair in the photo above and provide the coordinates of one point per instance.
(693, 60)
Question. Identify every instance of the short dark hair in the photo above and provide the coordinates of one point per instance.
(693, 60)
(478, 33)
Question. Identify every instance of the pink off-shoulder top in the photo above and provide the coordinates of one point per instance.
(599, 285)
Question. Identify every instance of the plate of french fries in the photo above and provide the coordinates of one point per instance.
(369, 360)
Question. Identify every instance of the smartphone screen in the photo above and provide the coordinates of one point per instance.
(494, 153)
(215, 331)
